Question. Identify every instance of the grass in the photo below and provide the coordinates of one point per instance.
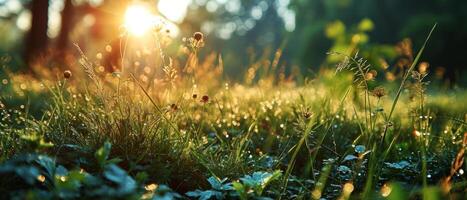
(191, 135)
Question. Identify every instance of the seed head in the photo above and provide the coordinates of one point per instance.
(204, 99)
(378, 92)
(307, 114)
(174, 107)
(195, 96)
(198, 36)
(67, 74)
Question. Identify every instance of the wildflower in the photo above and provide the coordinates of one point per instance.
(378, 92)
(67, 74)
(204, 99)
(198, 36)
(195, 96)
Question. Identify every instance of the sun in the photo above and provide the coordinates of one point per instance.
(138, 20)
(173, 10)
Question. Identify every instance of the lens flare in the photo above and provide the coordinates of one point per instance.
(138, 20)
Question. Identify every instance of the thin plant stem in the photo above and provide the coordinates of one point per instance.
(401, 87)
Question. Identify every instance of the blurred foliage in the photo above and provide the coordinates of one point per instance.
(38, 176)
(367, 25)
(244, 31)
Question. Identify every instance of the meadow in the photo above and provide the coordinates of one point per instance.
(162, 127)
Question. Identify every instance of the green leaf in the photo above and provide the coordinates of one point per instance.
(126, 184)
(260, 180)
(350, 158)
(114, 161)
(241, 190)
(215, 183)
(360, 149)
(102, 154)
(205, 195)
(399, 165)
(48, 164)
(28, 173)
(164, 192)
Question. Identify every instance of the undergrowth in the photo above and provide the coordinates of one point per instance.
(172, 129)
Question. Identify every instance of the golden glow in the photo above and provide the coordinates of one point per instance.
(173, 10)
(348, 188)
(386, 190)
(151, 187)
(139, 20)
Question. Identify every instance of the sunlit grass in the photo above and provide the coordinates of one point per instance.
(173, 119)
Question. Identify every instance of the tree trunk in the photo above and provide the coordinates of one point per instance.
(66, 26)
(37, 38)
(61, 51)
